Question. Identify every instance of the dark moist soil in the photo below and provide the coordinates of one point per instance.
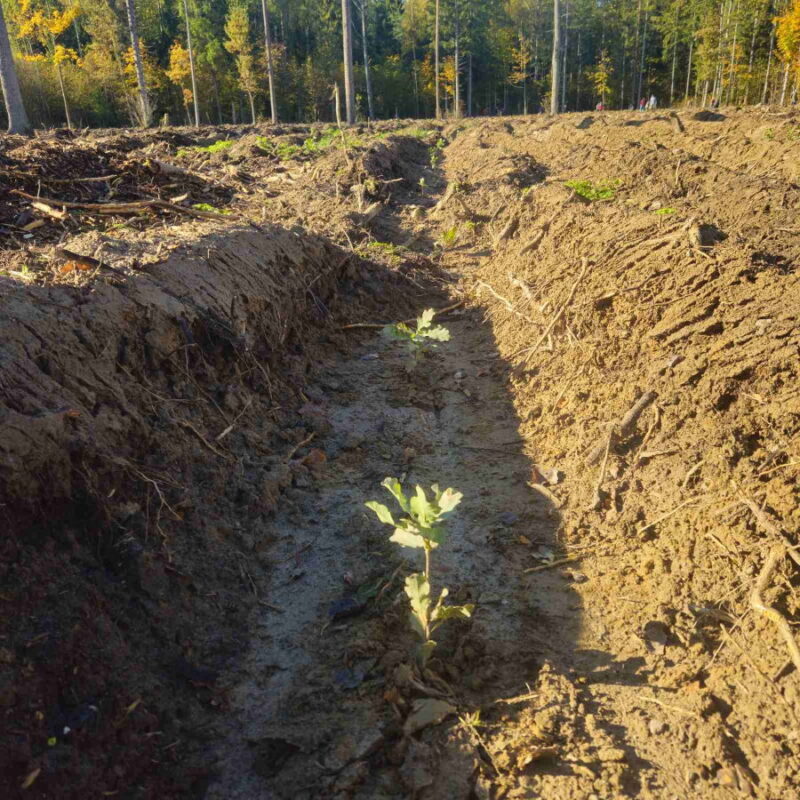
(197, 603)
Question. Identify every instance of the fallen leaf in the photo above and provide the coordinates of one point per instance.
(32, 776)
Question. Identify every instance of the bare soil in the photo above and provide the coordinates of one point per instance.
(197, 604)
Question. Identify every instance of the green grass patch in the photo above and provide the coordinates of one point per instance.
(602, 190)
(216, 147)
(209, 207)
(311, 147)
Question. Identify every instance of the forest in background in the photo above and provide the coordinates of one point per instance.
(76, 65)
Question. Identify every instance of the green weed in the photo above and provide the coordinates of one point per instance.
(436, 152)
(422, 527)
(448, 238)
(391, 251)
(602, 190)
(664, 212)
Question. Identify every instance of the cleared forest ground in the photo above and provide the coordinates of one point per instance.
(196, 602)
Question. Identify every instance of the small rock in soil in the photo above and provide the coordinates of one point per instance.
(509, 518)
(417, 769)
(346, 606)
(656, 726)
(655, 635)
(427, 712)
(353, 440)
(351, 777)
(453, 777)
(611, 754)
(347, 678)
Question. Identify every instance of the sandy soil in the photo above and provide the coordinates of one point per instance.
(199, 605)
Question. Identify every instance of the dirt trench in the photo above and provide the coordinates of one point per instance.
(310, 700)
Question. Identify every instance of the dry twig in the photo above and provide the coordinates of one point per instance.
(355, 325)
(776, 553)
(529, 352)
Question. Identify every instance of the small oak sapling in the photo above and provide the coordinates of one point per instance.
(421, 339)
(422, 527)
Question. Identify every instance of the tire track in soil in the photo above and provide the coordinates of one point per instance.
(297, 731)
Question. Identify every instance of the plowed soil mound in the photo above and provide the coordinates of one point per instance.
(681, 290)
(150, 385)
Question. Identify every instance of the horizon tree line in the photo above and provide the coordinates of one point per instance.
(108, 63)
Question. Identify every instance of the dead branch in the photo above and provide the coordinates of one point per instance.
(771, 527)
(669, 514)
(632, 417)
(299, 445)
(45, 179)
(557, 563)
(188, 425)
(507, 303)
(132, 207)
(776, 553)
(623, 428)
(49, 210)
(509, 230)
(597, 500)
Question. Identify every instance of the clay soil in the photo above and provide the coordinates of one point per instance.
(196, 401)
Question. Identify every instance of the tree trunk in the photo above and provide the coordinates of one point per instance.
(64, 95)
(674, 57)
(415, 73)
(556, 66)
(785, 83)
(367, 80)
(642, 55)
(252, 107)
(578, 76)
(15, 109)
(273, 102)
(756, 23)
(146, 117)
(769, 65)
(191, 64)
(436, 62)
(347, 45)
(689, 69)
(732, 71)
(564, 58)
(457, 69)
(215, 84)
(469, 87)
(634, 98)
